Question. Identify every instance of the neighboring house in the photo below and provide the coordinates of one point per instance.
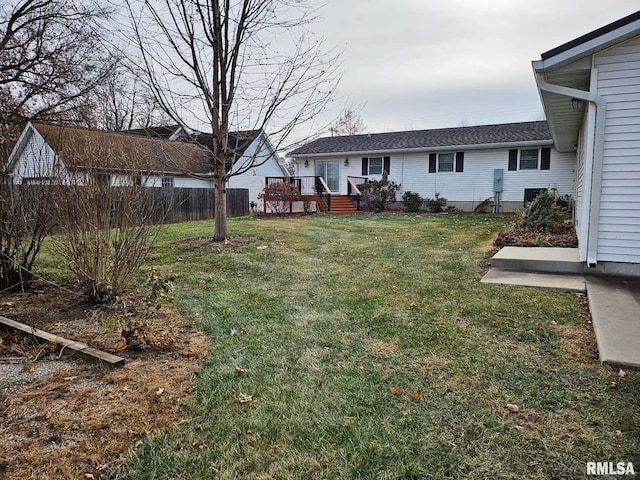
(590, 89)
(248, 148)
(469, 166)
(79, 155)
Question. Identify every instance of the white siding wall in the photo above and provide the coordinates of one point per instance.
(581, 220)
(475, 184)
(618, 71)
(34, 158)
(255, 178)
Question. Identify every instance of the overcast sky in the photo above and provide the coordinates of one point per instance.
(418, 64)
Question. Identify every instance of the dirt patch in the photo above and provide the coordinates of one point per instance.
(202, 242)
(63, 418)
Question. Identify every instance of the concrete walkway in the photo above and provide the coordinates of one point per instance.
(614, 301)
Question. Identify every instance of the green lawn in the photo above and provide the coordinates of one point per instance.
(373, 351)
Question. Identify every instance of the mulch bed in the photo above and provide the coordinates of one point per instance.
(560, 235)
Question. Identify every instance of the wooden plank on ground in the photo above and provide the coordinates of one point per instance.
(68, 347)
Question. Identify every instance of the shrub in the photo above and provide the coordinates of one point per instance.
(437, 204)
(279, 197)
(543, 212)
(411, 201)
(377, 194)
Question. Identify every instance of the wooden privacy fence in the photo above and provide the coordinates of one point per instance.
(188, 204)
(168, 205)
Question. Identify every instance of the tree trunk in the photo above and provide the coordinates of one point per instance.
(220, 209)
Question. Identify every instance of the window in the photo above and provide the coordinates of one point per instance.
(445, 162)
(375, 165)
(529, 159)
(167, 182)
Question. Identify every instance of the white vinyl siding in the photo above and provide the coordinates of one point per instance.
(618, 81)
(475, 184)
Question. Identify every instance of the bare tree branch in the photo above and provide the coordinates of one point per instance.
(226, 65)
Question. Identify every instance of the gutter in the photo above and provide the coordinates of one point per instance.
(443, 148)
(596, 160)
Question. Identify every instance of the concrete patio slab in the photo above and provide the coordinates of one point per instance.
(615, 313)
(568, 283)
(538, 259)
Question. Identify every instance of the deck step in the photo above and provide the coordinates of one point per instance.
(342, 205)
(538, 259)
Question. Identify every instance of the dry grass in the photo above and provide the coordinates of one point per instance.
(83, 419)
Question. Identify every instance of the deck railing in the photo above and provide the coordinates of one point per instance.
(353, 190)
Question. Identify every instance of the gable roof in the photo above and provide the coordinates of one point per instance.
(86, 148)
(565, 72)
(588, 37)
(238, 142)
(416, 140)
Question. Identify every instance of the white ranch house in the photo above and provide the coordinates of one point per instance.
(505, 163)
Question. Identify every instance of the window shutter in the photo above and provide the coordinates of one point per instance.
(513, 159)
(387, 165)
(459, 161)
(432, 163)
(365, 166)
(545, 162)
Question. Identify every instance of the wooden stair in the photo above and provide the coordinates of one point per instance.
(342, 205)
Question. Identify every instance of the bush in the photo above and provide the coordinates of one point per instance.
(279, 197)
(437, 204)
(377, 194)
(411, 201)
(543, 212)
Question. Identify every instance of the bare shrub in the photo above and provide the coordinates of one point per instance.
(107, 230)
(279, 197)
(26, 218)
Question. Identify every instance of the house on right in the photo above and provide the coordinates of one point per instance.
(590, 90)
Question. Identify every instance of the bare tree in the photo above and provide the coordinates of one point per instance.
(233, 65)
(349, 123)
(123, 102)
(51, 57)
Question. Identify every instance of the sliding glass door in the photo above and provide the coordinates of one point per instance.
(330, 171)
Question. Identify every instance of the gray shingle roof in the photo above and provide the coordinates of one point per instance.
(506, 133)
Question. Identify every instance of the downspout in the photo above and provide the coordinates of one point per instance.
(596, 160)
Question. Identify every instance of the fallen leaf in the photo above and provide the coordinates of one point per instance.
(234, 332)
(239, 371)
(70, 379)
(448, 388)
(89, 476)
(413, 304)
(396, 390)
(119, 346)
(242, 398)
(417, 396)
(622, 373)
(495, 323)
(262, 247)
(617, 433)
(243, 331)
(613, 385)
(159, 391)
(512, 407)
